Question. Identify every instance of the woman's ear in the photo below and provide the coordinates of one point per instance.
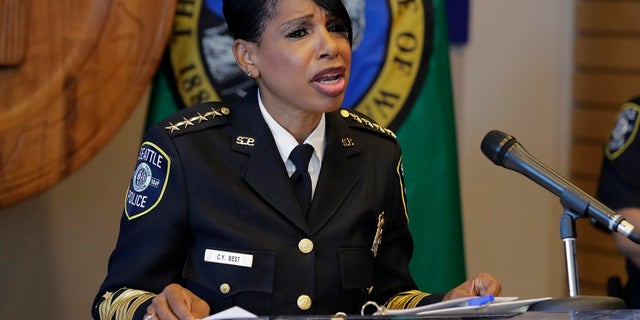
(243, 53)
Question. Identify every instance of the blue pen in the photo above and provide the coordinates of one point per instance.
(480, 301)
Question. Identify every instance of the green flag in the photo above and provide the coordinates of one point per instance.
(400, 60)
(161, 100)
(428, 138)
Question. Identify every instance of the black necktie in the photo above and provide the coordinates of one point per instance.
(301, 179)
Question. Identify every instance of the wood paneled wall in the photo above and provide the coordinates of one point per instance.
(607, 73)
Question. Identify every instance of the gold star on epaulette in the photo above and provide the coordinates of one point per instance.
(213, 113)
(172, 127)
(187, 122)
(346, 114)
(201, 118)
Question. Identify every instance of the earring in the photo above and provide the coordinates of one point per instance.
(250, 74)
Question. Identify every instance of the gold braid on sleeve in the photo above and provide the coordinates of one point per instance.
(406, 300)
(122, 304)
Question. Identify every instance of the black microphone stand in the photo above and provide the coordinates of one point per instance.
(575, 301)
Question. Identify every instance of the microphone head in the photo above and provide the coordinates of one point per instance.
(495, 146)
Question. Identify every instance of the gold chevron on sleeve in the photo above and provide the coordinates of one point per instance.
(406, 300)
(122, 304)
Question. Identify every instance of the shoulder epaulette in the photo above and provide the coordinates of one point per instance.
(365, 123)
(197, 117)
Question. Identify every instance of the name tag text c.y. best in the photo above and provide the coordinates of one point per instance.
(230, 258)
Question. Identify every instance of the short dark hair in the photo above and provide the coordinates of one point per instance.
(247, 19)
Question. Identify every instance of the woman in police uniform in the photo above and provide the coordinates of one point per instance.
(212, 219)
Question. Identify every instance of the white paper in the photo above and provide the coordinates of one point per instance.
(459, 307)
(232, 313)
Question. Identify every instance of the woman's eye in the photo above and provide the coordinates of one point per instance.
(337, 27)
(298, 33)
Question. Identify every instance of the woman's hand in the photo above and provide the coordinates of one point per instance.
(176, 302)
(480, 285)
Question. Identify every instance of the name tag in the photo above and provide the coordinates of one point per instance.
(231, 258)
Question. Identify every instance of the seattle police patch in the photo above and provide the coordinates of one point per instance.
(392, 43)
(148, 182)
(624, 132)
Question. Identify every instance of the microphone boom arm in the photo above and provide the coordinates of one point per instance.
(504, 150)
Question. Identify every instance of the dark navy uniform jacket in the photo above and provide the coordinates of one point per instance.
(619, 185)
(211, 207)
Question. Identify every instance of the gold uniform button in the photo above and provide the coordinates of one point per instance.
(225, 288)
(304, 302)
(305, 245)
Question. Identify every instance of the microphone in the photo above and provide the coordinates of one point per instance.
(504, 150)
